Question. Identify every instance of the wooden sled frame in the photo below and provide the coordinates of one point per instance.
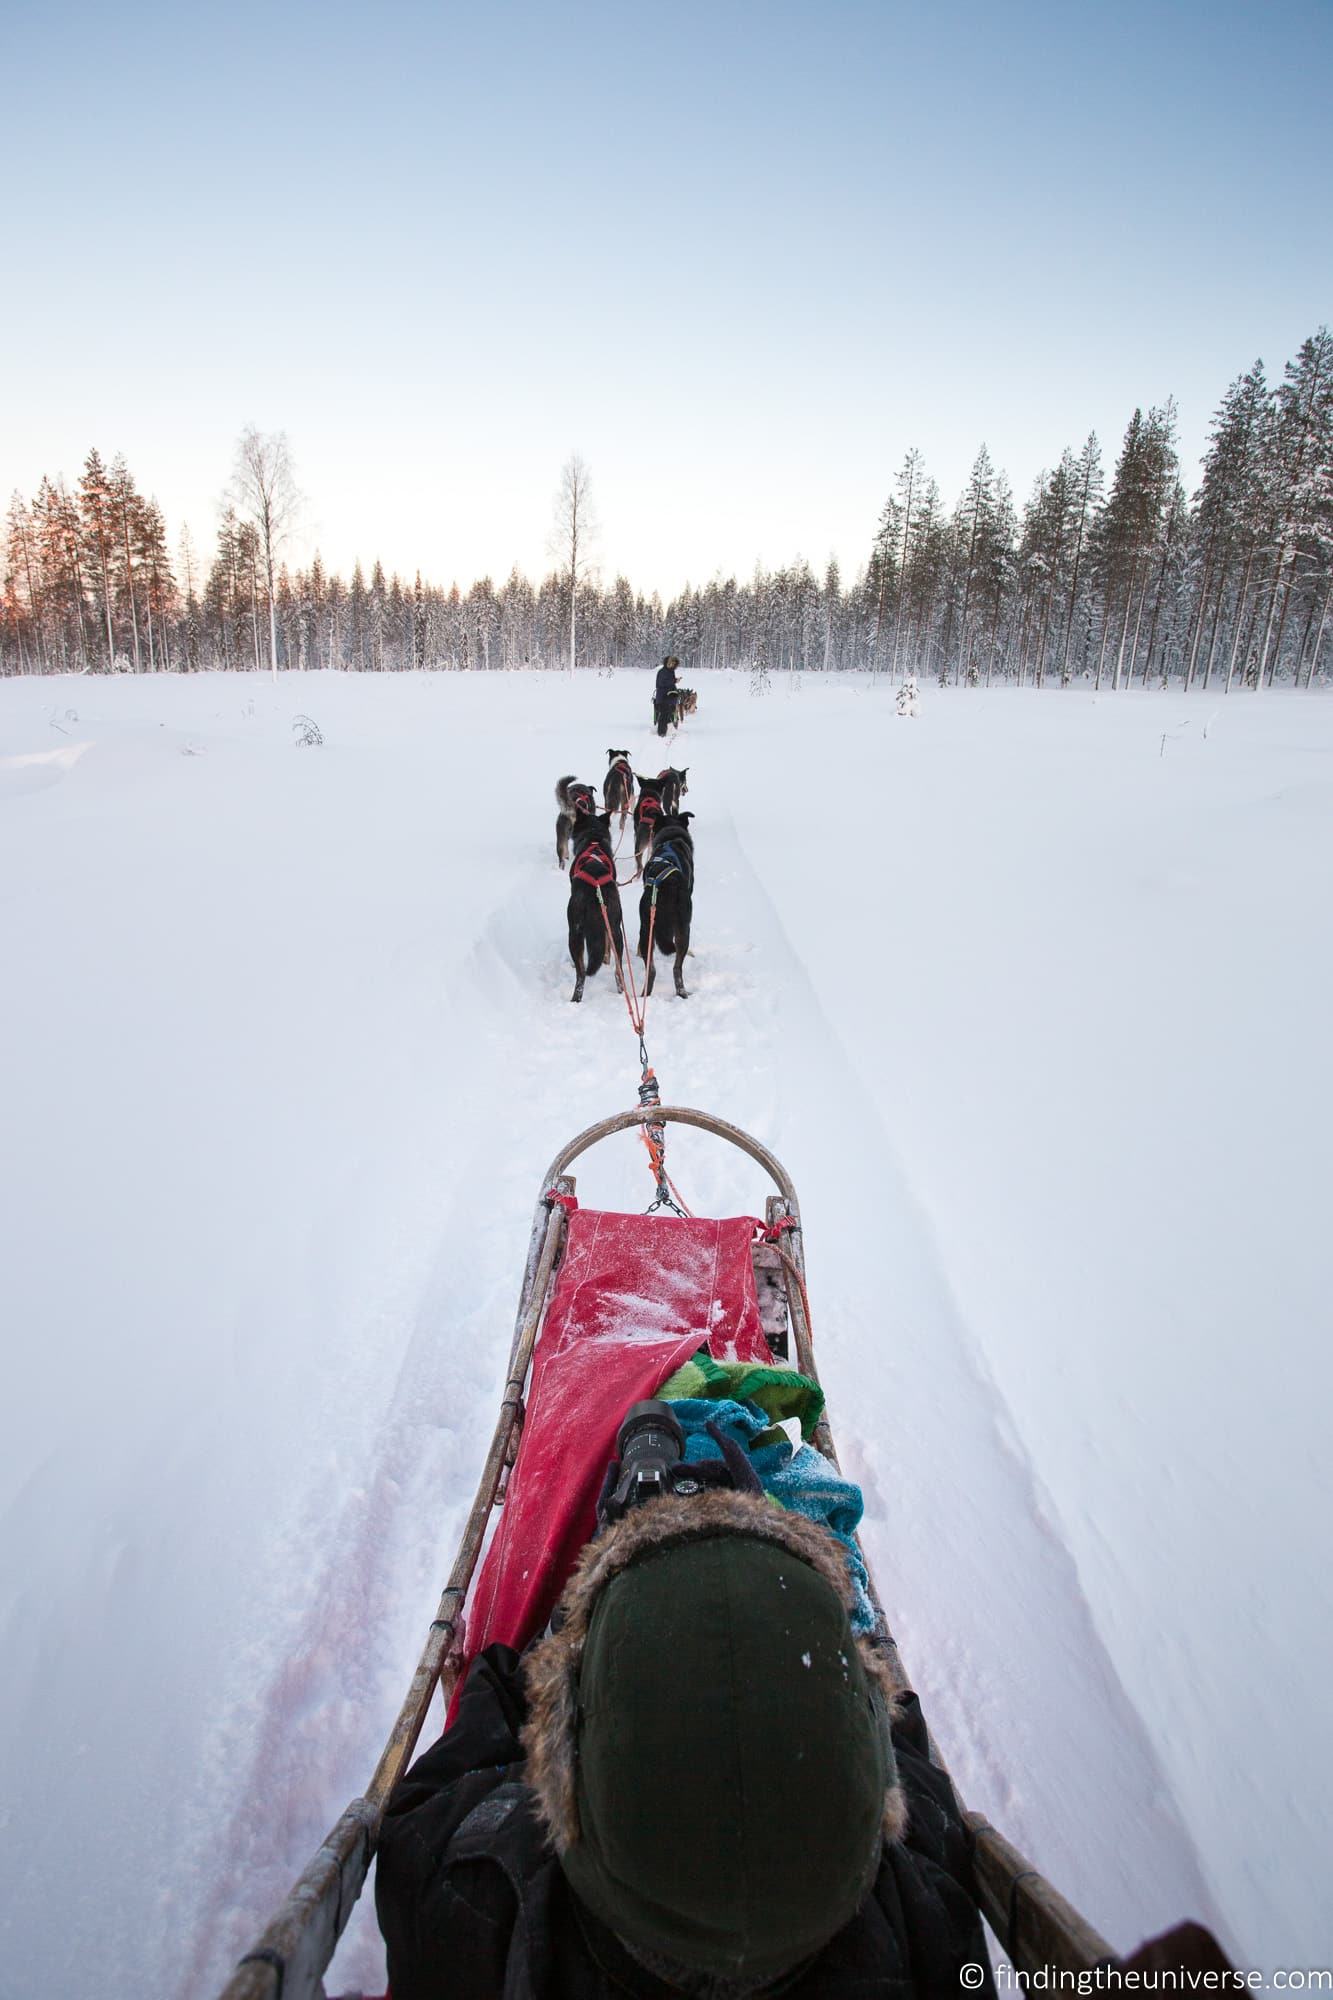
(1034, 1924)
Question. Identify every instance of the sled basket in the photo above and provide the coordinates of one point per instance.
(610, 1306)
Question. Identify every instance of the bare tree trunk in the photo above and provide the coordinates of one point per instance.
(1124, 628)
(1268, 627)
(1217, 627)
(879, 615)
(1240, 620)
(1319, 636)
(129, 583)
(34, 604)
(1043, 630)
(1281, 629)
(272, 620)
(1305, 640)
(1106, 634)
(1198, 622)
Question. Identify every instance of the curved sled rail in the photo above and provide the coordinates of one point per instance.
(1033, 1922)
(679, 1114)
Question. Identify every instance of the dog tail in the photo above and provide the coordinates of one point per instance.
(562, 786)
(594, 942)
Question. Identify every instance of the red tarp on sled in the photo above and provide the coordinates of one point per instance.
(634, 1297)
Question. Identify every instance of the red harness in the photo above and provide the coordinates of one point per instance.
(649, 806)
(594, 866)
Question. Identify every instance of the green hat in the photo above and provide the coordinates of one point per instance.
(708, 1742)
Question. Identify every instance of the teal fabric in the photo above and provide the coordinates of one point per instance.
(803, 1480)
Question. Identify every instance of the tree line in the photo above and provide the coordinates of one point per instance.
(1134, 581)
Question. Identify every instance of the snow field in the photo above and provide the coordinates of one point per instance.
(1025, 997)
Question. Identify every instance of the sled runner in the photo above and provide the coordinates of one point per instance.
(614, 1309)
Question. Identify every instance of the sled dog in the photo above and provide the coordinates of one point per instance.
(618, 785)
(668, 878)
(593, 869)
(573, 799)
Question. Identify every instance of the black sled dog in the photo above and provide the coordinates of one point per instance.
(666, 906)
(574, 800)
(592, 869)
(658, 797)
(618, 785)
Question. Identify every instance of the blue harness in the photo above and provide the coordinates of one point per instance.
(665, 863)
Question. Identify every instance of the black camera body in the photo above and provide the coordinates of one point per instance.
(650, 1464)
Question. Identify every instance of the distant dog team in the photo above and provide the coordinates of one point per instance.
(663, 858)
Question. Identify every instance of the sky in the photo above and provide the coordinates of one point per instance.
(739, 256)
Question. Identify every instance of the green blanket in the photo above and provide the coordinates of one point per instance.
(779, 1392)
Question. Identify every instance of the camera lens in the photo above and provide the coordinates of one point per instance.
(650, 1444)
(650, 1435)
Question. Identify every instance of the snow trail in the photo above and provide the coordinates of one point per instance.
(294, 1044)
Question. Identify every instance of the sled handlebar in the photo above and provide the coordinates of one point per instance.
(680, 1114)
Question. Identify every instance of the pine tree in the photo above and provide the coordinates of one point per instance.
(910, 479)
(1088, 488)
(1303, 441)
(125, 503)
(974, 526)
(95, 509)
(160, 598)
(24, 580)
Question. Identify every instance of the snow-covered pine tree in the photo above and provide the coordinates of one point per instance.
(911, 475)
(1088, 491)
(974, 529)
(1303, 450)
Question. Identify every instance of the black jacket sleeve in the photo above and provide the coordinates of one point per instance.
(926, 1889)
(446, 1921)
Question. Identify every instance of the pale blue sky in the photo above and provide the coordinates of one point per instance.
(740, 256)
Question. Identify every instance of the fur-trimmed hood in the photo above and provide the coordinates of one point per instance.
(550, 1737)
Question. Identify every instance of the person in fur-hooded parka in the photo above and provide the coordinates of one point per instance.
(697, 1783)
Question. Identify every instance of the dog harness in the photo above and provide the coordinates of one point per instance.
(649, 806)
(662, 865)
(582, 799)
(594, 866)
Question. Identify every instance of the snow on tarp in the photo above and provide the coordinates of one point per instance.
(635, 1296)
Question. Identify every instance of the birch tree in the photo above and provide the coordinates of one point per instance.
(573, 536)
(263, 491)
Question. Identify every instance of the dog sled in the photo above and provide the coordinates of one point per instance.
(612, 1305)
